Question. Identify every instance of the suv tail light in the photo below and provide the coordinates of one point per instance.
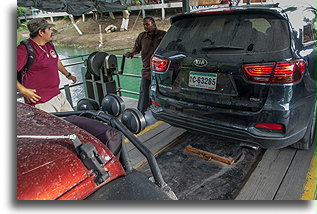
(275, 72)
(159, 64)
(269, 126)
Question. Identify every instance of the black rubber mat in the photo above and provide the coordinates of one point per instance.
(194, 178)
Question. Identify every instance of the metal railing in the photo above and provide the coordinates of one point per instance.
(67, 88)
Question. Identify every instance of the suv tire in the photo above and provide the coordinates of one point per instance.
(309, 138)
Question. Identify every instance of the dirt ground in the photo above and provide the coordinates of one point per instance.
(65, 33)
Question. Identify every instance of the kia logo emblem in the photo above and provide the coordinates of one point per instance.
(200, 62)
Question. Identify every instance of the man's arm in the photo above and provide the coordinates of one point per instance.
(63, 70)
(28, 93)
(136, 49)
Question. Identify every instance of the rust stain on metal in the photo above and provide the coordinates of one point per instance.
(208, 155)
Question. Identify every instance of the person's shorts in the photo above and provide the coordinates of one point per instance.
(58, 103)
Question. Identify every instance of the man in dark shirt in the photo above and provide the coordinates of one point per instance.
(146, 43)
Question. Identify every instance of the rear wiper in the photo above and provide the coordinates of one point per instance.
(221, 47)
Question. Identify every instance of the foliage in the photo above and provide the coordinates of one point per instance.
(136, 2)
(19, 40)
(21, 11)
(22, 27)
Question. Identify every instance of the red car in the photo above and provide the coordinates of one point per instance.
(57, 160)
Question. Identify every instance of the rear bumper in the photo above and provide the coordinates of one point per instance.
(287, 106)
(235, 134)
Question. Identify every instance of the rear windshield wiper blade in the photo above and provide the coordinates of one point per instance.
(221, 47)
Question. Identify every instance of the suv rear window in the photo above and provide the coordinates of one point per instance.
(226, 33)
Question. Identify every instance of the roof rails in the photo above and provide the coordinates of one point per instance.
(230, 3)
(264, 5)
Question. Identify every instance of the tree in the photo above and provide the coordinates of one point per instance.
(21, 11)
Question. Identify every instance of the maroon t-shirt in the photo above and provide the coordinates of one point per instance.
(43, 74)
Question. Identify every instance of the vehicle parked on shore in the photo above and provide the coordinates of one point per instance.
(246, 73)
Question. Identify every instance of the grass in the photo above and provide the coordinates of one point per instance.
(19, 41)
(20, 29)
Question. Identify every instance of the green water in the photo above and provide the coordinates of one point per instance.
(132, 66)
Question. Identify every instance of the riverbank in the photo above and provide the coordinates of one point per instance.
(66, 35)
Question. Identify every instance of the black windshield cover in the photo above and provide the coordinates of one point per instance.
(76, 7)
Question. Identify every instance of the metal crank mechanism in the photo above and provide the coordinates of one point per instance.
(86, 152)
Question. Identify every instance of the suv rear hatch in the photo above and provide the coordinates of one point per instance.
(205, 52)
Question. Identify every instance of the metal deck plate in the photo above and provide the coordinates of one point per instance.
(194, 178)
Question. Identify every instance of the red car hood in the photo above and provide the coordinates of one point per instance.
(50, 168)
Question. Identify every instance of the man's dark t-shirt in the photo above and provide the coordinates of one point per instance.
(147, 44)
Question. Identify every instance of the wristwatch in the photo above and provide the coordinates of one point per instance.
(68, 75)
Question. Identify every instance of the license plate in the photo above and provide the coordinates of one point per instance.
(202, 80)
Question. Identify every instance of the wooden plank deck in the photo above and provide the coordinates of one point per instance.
(149, 132)
(156, 144)
(292, 185)
(280, 175)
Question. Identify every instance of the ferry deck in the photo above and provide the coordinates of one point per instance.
(254, 174)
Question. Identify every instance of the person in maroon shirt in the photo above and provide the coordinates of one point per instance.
(146, 43)
(40, 85)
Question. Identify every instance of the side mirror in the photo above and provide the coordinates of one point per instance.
(87, 104)
(113, 104)
(134, 120)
